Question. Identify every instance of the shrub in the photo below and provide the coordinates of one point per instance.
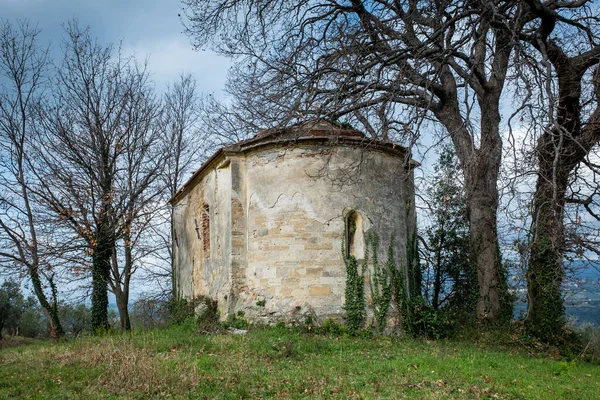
(333, 328)
(11, 307)
(203, 310)
(75, 319)
(150, 313)
(180, 309)
(237, 321)
(421, 319)
(33, 324)
(590, 338)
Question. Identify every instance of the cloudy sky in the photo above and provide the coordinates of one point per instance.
(149, 29)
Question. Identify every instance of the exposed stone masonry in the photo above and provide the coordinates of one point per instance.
(275, 206)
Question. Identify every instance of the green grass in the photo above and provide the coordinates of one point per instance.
(280, 363)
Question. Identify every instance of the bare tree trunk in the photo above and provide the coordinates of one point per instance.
(122, 304)
(119, 282)
(482, 208)
(565, 143)
(559, 150)
(481, 168)
(484, 252)
(437, 282)
(49, 309)
(123, 297)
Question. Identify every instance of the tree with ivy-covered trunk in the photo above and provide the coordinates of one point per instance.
(100, 161)
(565, 36)
(28, 244)
(84, 142)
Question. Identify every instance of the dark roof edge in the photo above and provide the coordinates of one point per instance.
(247, 146)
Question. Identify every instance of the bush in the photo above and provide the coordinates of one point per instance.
(180, 310)
(150, 313)
(75, 319)
(421, 319)
(33, 324)
(590, 338)
(207, 314)
(11, 307)
(203, 310)
(333, 328)
(237, 321)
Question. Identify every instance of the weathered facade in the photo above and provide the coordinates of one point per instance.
(261, 225)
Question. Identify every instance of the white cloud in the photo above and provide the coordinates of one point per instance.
(170, 57)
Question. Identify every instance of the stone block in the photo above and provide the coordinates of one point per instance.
(319, 290)
(318, 246)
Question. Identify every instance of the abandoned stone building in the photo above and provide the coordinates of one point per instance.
(262, 226)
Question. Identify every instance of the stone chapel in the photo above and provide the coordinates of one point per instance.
(262, 227)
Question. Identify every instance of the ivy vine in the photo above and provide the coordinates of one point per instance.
(355, 297)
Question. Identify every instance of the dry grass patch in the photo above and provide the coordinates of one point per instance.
(110, 365)
(126, 368)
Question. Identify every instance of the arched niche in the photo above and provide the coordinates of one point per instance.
(354, 235)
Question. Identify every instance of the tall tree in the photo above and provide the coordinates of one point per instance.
(138, 190)
(23, 67)
(100, 158)
(180, 123)
(354, 59)
(194, 126)
(566, 36)
(451, 280)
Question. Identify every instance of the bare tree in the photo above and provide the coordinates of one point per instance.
(138, 190)
(401, 61)
(194, 126)
(181, 117)
(565, 35)
(185, 146)
(24, 241)
(100, 159)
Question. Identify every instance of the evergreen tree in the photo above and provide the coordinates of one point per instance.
(450, 280)
(11, 306)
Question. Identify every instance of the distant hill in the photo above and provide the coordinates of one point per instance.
(582, 293)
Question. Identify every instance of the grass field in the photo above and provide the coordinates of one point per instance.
(281, 363)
